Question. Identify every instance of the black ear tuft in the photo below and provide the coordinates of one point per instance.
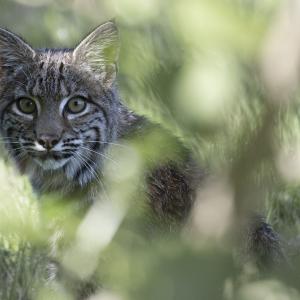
(100, 51)
(13, 50)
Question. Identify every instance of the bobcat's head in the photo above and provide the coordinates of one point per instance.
(59, 108)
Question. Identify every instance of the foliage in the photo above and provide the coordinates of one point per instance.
(195, 67)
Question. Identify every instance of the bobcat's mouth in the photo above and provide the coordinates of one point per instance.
(51, 160)
(51, 164)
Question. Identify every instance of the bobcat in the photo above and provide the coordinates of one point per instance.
(60, 109)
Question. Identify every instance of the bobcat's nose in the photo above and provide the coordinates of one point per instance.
(48, 141)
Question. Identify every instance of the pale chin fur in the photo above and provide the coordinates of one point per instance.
(51, 164)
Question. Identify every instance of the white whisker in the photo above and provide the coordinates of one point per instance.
(90, 168)
(108, 143)
(92, 171)
(101, 154)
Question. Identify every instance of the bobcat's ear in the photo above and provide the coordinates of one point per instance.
(13, 50)
(100, 51)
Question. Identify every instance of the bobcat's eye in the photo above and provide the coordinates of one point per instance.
(76, 105)
(26, 106)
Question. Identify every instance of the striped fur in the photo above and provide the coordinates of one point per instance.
(51, 77)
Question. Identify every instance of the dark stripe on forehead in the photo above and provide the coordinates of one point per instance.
(50, 82)
(34, 86)
(40, 82)
(54, 85)
(59, 78)
(61, 68)
(45, 71)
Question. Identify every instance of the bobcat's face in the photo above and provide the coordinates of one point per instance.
(54, 115)
(58, 108)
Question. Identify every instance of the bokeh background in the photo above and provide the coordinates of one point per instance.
(220, 77)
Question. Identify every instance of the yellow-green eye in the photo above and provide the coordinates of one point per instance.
(26, 105)
(76, 105)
